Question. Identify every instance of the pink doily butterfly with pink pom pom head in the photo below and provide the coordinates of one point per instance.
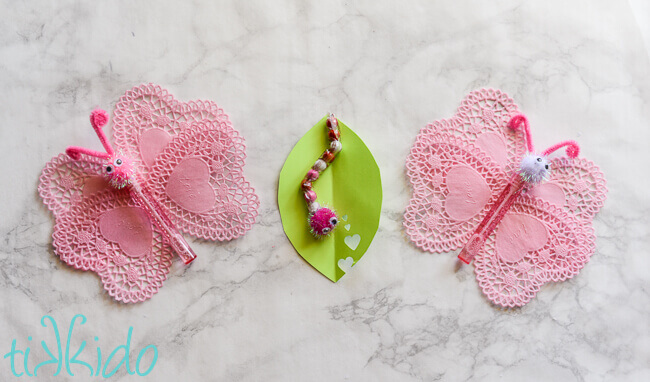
(524, 219)
(176, 167)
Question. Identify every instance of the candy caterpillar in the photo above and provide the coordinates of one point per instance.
(322, 220)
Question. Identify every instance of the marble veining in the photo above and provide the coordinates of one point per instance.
(252, 309)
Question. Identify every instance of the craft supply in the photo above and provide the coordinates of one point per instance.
(322, 220)
(119, 171)
(174, 167)
(532, 170)
(352, 184)
(524, 219)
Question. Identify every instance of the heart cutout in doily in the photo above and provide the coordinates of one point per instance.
(130, 228)
(189, 186)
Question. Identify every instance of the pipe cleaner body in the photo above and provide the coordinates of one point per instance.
(322, 220)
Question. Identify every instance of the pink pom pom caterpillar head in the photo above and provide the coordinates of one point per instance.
(118, 169)
(322, 222)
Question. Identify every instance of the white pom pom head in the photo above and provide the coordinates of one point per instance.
(534, 168)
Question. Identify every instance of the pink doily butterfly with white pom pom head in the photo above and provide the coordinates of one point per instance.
(524, 219)
(176, 167)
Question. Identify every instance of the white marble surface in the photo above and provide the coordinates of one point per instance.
(252, 309)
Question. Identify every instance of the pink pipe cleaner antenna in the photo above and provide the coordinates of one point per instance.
(515, 124)
(98, 118)
(572, 150)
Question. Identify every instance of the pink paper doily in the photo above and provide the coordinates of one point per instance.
(191, 160)
(459, 166)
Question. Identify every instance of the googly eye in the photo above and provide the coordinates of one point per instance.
(118, 162)
(109, 169)
(326, 231)
(539, 159)
(334, 221)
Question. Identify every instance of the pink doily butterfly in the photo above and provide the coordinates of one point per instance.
(175, 166)
(476, 188)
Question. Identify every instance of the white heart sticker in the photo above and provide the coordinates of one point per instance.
(346, 264)
(353, 241)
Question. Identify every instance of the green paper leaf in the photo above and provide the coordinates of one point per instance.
(351, 185)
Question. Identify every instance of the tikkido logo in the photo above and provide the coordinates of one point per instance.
(20, 361)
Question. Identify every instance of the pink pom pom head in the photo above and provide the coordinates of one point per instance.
(322, 222)
(119, 171)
